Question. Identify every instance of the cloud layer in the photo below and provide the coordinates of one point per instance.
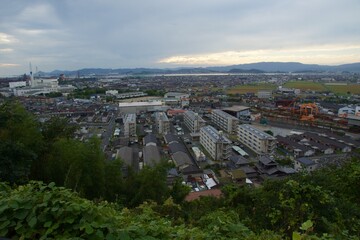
(71, 34)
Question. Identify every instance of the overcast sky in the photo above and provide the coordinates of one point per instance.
(74, 34)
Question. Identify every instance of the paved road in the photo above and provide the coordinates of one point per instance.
(108, 133)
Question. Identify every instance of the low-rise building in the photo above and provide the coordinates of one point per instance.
(215, 143)
(263, 94)
(224, 121)
(305, 164)
(255, 139)
(193, 121)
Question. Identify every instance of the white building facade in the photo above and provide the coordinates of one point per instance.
(130, 125)
(255, 139)
(224, 121)
(193, 121)
(217, 145)
(162, 122)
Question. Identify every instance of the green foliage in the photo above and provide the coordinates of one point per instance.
(38, 211)
(20, 142)
(148, 184)
(78, 166)
(114, 183)
(155, 92)
(269, 132)
(179, 191)
(87, 92)
(54, 94)
(56, 128)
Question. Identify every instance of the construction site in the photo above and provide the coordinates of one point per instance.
(292, 112)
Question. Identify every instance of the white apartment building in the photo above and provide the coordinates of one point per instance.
(193, 121)
(163, 123)
(257, 140)
(217, 145)
(224, 121)
(130, 125)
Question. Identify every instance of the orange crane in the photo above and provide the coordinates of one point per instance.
(308, 111)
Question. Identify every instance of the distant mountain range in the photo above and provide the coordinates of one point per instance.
(261, 67)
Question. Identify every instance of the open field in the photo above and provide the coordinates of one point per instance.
(344, 89)
(251, 88)
(305, 85)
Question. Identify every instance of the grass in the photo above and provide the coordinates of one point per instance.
(344, 89)
(302, 85)
(305, 85)
(251, 88)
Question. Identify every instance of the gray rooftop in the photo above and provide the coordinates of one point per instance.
(236, 108)
(305, 161)
(177, 147)
(126, 155)
(192, 115)
(181, 158)
(150, 138)
(131, 117)
(223, 114)
(260, 134)
(160, 116)
(214, 134)
(169, 138)
(151, 155)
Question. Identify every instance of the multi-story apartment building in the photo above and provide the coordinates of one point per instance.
(215, 143)
(162, 122)
(257, 140)
(193, 121)
(130, 125)
(224, 121)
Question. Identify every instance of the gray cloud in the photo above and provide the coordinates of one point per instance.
(72, 34)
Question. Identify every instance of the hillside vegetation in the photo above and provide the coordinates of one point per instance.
(56, 187)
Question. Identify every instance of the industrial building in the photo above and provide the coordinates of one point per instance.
(241, 112)
(215, 143)
(176, 95)
(224, 121)
(137, 107)
(162, 122)
(130, 125)
(193, 121)
(255, 139)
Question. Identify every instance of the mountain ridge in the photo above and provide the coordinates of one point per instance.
(259, 67)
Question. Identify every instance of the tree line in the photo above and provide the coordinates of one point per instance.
(320, 205)
(48, 152)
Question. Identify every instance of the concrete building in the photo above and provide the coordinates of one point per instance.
(162, 122)
(224, 121)
(281, 89)
(130, 95)
(305, 164)
(137, 107)
(17, 84)
(111, 92)
(264, 94)
(130, 125)
(257, 140)
(349, 111)
(193, 121)
(217, 145)
(241, 112)
(42, 86)
(176, 95)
